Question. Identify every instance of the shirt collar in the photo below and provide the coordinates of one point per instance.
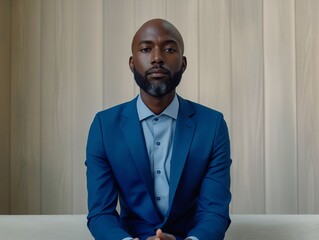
(144, 112)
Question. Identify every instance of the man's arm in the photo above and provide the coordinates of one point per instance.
(102, 192)
(212, 217)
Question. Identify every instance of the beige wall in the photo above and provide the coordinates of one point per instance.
(254, 60)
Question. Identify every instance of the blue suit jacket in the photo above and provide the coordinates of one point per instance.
(118, 166)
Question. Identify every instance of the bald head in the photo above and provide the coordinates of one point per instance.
(158, 27)
(157, 59)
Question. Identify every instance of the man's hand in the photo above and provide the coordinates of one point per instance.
(162, 236)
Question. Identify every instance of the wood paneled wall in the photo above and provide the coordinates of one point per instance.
(254, 60)
(307, 99)
(5, 24)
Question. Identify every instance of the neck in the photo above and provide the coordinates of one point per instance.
(157, 104)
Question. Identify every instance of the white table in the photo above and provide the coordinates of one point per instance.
(44, 227)
(243, 227)
(274, 227)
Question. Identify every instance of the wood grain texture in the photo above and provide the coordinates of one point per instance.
(145, 10)
(118, 25)
(87, 88)
(280, 107)
(57, 106)
(214, 56)
(5, 30)
(254, 60)
(247, 107)
(25, 144)
(307, 47)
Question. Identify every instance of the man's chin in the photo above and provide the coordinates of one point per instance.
(159, 93)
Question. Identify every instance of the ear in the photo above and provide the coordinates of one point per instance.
(184, 64)
(131, 63)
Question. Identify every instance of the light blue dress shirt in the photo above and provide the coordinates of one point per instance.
(159, 131)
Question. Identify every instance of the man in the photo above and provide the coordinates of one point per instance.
(166, 159)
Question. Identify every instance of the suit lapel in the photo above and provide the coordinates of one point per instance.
(134, 137)
(184, 132)
(133, 133)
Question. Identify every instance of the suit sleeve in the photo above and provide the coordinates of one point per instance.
(212, 216)
(103, 219)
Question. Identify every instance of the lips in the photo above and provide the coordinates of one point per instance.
(157, 73)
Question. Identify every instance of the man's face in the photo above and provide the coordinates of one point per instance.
(157, 61)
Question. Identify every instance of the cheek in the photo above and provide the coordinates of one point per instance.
(175, 64)
(141, 64)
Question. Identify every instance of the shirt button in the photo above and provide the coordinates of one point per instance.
(158, 172)
(155, 119)
(158, 143)
(158, 198)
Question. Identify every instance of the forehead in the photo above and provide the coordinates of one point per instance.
(157, 31)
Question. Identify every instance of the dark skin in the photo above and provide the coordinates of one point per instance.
(158, 43)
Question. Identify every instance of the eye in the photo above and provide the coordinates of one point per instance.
(145, 49)
(169, 50)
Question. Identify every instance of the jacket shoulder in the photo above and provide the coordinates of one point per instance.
(115, 111)
(200, 109)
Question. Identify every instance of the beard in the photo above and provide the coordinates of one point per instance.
(158, 88)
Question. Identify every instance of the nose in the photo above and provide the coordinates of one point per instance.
(157, 57)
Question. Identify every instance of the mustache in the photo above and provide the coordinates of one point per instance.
(157, 68)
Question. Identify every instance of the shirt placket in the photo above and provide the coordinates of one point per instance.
(159, 156)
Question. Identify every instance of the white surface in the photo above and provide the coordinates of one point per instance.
(243, 227)
(274, 227)
(44, 227)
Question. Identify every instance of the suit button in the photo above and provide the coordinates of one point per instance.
(158, 172)
(158, 198)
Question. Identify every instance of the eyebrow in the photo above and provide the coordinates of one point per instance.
(168, 41)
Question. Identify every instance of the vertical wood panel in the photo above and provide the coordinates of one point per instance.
(118, 32)
(247, 107)
(184, 15)
(57, 106)
(69, 59)
(5, 30)
(214, 60)
(280, 107)
(307, 43)
(145, 10)
(87, 87)
(25, 107)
